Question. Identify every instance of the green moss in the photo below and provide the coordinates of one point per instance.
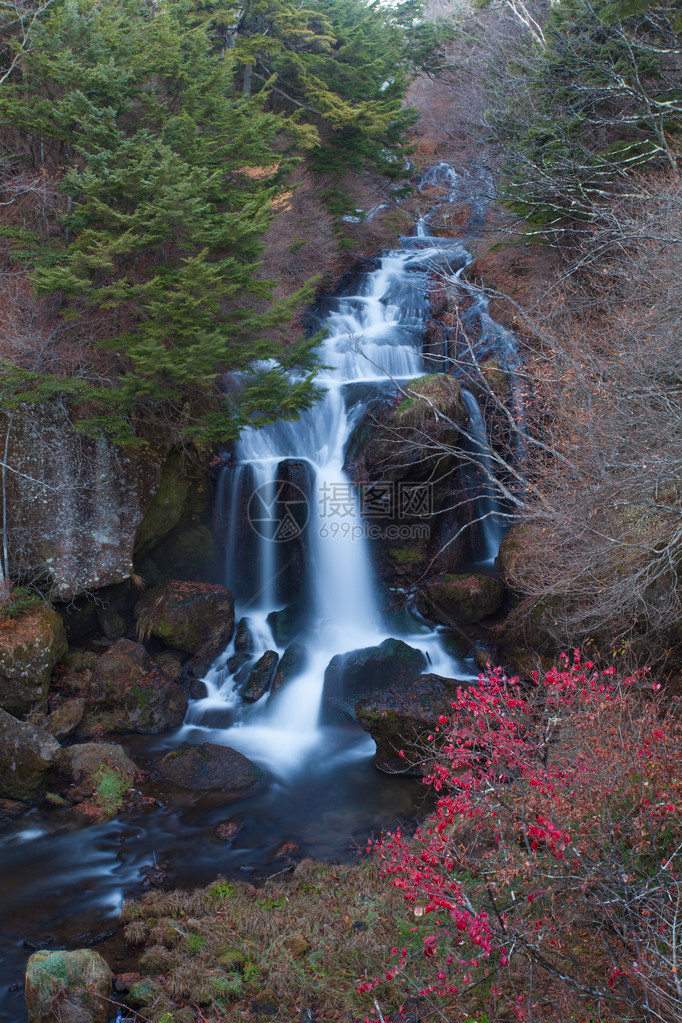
(195, 944)
(110, 787)
(406, 555)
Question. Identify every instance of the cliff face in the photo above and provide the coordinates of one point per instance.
(77, 507)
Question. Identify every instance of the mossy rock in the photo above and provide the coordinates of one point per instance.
(63, 722)
(103, 772)
(210, 768)
(461, 599)
(28, 756)
(30, 647)
(128, 693)
(76, 985)
(144, 992)
(418, 439)
(195, 617)
(511, 555)
(165, 509)
(399, 719)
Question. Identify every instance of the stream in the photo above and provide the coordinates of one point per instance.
(296, 535)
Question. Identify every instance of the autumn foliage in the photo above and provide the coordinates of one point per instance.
(546, 885)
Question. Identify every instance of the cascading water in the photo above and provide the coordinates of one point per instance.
(373, 343)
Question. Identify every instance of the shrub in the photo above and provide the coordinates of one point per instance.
(548, 877)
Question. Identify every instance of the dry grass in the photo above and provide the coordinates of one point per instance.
(304, 943)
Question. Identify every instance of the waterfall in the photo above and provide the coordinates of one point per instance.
(373, 334)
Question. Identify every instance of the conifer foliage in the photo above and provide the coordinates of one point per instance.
(169, 129)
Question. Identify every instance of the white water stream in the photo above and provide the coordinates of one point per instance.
(373, 342)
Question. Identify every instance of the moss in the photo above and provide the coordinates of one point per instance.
(195, 944)
(110, 787)
(165, 509)
(406, 555)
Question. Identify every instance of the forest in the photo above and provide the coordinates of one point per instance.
(417, 757)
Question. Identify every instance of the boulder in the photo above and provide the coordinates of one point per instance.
(80, 501)
(211, 768)
(30, 646)
(418, 438)
(292, 664)
(460, 599)
(27, 756)
(73, 987)
(170, 663)
(227, 830)
(244, 641)
(63, 722)
(260, 676)
(103, 773)
(195, 617)
(352, 675)
(128, 693)
(400, 718)
(286, 624)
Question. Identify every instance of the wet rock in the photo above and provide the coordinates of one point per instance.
(237, 662)
(227, 831)
(207, 767)
(292, 664)
(198, 689)
(418, 439)
(10, 809)
(352, 675)
(63, 722)
(400, 718)
(294, 482)
(438, 297)
(128, 693)
(286, 849)
(27, 757)
(111, 623)
(77, 984)
(195, 617)
(30, 646)
(103, 774)
(287, 623)
(244, 641)
(260, 676)
(461, 599)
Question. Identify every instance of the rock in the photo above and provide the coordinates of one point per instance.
(111, 623)
(260, 676)
(529, 639)
(103, 773)
(460, 599)
(352, 675)
(27, 757)
(79, 501)
(73, 987)
(195, 617)
(237, 662)
(10, 809)
(63, 722)
(30, 646)
(244, 641)
(286, 624)
(399, 717)
(207, 767)
(511, 554)
(291, 665)
(227, 831)
(418, 439)
(170, 663)
(164, 510)
(128, 693)
(296, 945)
